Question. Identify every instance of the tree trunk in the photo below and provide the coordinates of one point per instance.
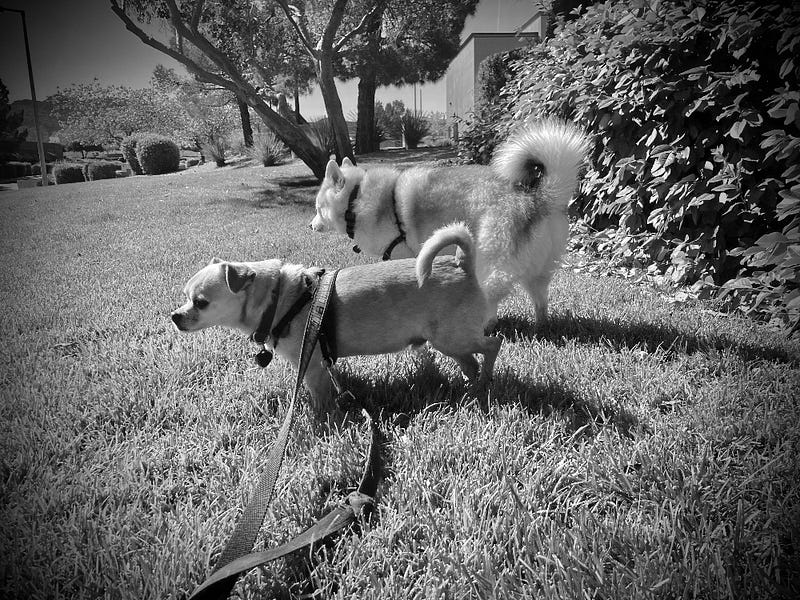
(365, 125)
(333, 107)
(247, 129)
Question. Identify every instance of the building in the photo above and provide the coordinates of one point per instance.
(461, 76)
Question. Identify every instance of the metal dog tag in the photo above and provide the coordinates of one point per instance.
(263, 358)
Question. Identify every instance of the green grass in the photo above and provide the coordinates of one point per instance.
(633, 448)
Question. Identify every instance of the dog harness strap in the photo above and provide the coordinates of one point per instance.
(252, 518)
(387, 254)
(294, 310)
(350, 214)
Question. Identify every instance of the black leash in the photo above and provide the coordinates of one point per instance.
(236, 557)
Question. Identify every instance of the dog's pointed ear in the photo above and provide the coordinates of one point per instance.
(334, 174)
(347, 162)
(216, 261)
(238, 277)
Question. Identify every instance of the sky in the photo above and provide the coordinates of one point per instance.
(76, 42)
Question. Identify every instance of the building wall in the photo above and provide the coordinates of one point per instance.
(461, 76)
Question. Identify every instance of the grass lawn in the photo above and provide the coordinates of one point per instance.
(633, 448)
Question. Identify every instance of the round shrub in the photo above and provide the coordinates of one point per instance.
(693, 109)
(128, 148)
(64, 172)
(157, 154)
(101, 170)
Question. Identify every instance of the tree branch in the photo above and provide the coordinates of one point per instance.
(297, 29)
(198, 10)
(361, 27)
(181, 58)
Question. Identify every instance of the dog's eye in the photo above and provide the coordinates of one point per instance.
(200, 303)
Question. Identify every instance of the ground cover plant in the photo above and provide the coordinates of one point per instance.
(633, 448)
(693, 108)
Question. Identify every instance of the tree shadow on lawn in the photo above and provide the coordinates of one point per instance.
(293, 193)
(403, 157)
(638, 334)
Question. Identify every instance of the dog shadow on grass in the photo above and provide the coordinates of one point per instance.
(419, 385)
(651, 337)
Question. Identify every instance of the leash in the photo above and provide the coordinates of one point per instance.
(237, 557)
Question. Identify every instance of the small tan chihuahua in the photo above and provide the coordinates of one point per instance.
(377, 308)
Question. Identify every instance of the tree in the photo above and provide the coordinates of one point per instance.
(94, 114)
(411, 41)
(11, 136)
(209, 112)
(239, 37)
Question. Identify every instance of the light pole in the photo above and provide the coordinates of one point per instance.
(42, 161)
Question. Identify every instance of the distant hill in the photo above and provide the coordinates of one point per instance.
(48, 124)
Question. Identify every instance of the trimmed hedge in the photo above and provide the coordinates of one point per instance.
(101, 170)
(157, 154)
(128, 148)
(696, 160)
(65, 172)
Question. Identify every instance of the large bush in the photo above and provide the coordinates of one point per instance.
(157, 154)
(696, 162)
(65, 172)
(478, 139)
(128, 148)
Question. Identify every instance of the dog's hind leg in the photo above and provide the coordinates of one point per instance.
(490, 349)
(468, 364)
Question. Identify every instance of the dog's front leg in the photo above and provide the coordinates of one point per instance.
(319, 385)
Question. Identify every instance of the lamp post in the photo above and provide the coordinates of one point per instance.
(42, 161)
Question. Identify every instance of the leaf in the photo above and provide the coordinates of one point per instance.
(736, 131)
(771, 239)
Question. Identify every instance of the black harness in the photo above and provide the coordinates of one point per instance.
(265, 331)
(350, 224)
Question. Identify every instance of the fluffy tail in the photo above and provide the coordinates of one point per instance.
(545, 155)
(457, 234)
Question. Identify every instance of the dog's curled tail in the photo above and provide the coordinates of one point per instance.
(456, 233)
(545, 155)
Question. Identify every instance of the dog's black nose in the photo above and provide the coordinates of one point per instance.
(176, 318)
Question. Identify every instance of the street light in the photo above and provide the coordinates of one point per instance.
(42, 161)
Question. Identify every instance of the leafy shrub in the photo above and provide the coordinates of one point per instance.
(66, 172)
(694, 111)
(101, 170)
(157, 154)
(128, 148)
(267, 149)
(480, 134)
(415, 127)
(215, 149)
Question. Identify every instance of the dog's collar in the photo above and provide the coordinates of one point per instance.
(350, 214)
(266, 329)
(261, 334)
(387, 254)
